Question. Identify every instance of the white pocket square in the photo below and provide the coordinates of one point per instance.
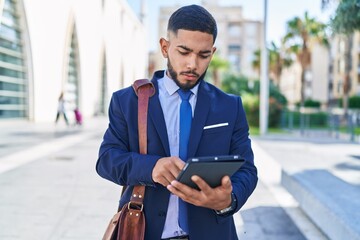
(216, 125)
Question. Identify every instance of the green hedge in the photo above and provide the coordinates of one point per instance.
(354, 102)
(251, 105)
(310, 103)
(310, 120)
(252, 108)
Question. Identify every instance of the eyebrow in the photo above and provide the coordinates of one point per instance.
(190, 50)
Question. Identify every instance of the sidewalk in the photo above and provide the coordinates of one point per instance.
(57, 194)
(22, 142)
(18, 135)
(322, 174)
(49, 188)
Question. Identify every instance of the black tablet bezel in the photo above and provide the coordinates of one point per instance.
(212, 169)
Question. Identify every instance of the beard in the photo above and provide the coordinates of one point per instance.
(184, 86)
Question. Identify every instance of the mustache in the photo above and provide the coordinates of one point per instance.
(190, 72)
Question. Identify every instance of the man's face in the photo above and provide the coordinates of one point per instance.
(189, 54)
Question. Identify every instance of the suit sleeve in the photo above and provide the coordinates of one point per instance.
(118, 159)
(245, 179)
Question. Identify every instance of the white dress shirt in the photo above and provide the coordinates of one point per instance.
(170, 103)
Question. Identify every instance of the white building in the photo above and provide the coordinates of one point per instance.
(316, 78)
(86, 49)
(339, 47)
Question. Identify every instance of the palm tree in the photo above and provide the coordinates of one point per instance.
(301, 34)
(277, 61)
(346, 21)
(216, 65)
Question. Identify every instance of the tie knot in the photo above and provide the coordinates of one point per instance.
(185, 95)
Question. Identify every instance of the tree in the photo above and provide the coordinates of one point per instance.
(347, 17)
(277, 61)
(257, 61)
(216, 65)
(239, 85)
(325, 3)
(301, 34)
(346, 21)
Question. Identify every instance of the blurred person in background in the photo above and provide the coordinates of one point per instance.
(78, 117)
(61, 109)
(218, 127)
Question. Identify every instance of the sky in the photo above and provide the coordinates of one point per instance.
(278, 13)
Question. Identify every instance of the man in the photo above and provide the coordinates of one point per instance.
(174, 210)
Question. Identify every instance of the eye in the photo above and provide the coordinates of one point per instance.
(183, 53)
(204, 56)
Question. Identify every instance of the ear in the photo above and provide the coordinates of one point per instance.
(214, 50)
(164, 46)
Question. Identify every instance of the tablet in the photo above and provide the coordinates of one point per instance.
(211, 169)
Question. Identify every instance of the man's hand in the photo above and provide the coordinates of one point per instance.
(215, 198)
(167, 169)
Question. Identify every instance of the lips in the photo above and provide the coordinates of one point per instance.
(190, 76)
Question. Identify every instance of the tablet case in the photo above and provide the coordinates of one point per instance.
(212, 169)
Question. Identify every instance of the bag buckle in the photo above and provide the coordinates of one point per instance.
(135, 206)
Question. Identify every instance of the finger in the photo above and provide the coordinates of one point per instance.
(180, 186)
(226, 183)
(174, 166)
(179, 163)
(175, 172)
(183, 188)
(169, 177)
(163, 181)
(174, 190)
(185, 192)
(201, 183)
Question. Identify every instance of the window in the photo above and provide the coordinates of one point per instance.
(72, 85)
(234, 48)
(234, 30)
(13, 78)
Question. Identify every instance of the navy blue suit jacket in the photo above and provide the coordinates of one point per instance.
(120, 162)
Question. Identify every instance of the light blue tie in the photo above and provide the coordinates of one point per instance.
(185, 126)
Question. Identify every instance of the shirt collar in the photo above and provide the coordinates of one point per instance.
(171, 86)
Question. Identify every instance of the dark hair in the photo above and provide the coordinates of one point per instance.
(193, 18)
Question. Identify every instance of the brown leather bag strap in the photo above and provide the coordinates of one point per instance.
(144, 89)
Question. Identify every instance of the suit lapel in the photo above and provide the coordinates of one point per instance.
(200, 115)
(157, 118)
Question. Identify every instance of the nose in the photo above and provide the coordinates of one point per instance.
(191, 62)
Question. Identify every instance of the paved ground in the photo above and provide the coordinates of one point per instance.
(298, 154)
(58, 195)
(49, 189)
(322, 174)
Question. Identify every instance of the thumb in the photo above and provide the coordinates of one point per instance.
(226, 182)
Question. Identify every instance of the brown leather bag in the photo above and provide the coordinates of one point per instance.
(129, 222)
